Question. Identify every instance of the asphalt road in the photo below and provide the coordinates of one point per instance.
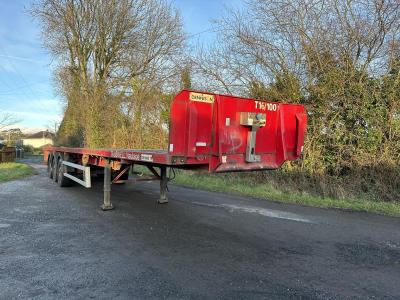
(55, 243)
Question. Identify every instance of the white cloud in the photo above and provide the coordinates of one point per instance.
(34, 116)
(35, 61)
(40, 105)
(5, 66)
(28, 129)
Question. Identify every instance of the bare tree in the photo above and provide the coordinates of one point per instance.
(102, 49)
(7, 120)
(271, 37)
(331, 55)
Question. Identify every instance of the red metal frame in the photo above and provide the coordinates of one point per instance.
(205, 132)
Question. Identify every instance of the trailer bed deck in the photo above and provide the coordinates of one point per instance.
(155, 157)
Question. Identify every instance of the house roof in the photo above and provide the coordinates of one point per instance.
(40, 135)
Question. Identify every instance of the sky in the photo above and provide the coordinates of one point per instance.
(26, 85)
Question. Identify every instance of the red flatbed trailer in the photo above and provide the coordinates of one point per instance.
(217, 133)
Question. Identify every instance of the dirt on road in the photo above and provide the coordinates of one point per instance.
(56, 243)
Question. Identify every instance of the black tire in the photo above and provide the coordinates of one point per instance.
(61, 179)
(49, 166)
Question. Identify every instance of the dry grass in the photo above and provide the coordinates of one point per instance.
(347, 193)
(10, 171)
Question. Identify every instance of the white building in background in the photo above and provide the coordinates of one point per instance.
(38, 139)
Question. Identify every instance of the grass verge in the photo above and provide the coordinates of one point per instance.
(11, 170)
(234, 184)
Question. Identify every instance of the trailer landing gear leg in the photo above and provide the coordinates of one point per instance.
(107, 205)
(163, 186)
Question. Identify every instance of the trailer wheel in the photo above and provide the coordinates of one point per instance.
(62, 180)
(49, 166)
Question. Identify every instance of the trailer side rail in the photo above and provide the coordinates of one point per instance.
(86, 182)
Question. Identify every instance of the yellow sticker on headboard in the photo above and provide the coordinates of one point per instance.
(199, 97)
